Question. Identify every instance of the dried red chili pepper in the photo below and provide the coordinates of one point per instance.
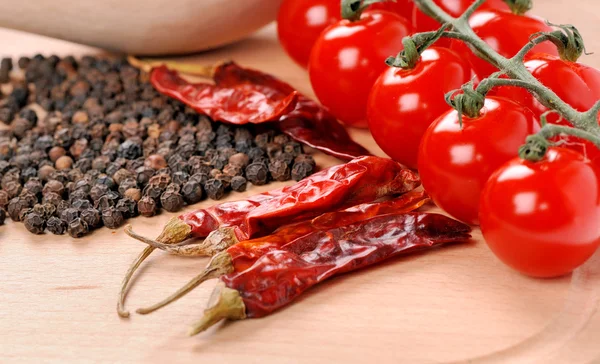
(301, 118)
(360, 180)
(243, 255)
(280, 276)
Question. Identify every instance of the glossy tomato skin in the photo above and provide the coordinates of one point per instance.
(455, 163)
(424, 23)
(504, 32)
(347, 59)
(300, 22)
(403, 103)
(541, 218)
(576, 84)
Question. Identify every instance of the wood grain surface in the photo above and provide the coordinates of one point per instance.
(58, 295)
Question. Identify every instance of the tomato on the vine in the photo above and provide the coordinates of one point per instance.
(300, 22)
(541, 218)
(424, 23)
(504, 32)
(455, 163)
(576, 84)
(349, 56)
(403, 103)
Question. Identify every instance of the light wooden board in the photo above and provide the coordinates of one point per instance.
(57, 295)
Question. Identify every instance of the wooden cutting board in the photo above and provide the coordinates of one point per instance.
(58, 295)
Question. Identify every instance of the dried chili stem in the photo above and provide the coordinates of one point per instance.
(219, 265)
(227, 305)
(175, 231)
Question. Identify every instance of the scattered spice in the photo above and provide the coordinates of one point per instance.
(34, 223)
(77, 228)
(112, 218)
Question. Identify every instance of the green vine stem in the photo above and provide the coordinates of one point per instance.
(570, 46)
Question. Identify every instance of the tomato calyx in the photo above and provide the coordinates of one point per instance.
(519, 7)
(413, 46)
(467, 101)
(352, 9)
(535, 148)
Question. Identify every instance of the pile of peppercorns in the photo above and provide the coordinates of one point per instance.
(90, 143)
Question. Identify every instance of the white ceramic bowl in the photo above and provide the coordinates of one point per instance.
(145, 27)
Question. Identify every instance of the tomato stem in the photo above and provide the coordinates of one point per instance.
(570, 46)
(352, 9)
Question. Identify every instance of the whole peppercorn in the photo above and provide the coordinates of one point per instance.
(13, 188)
(239, 159)
(23, 213)
(192, 192)
(147, 206)
(302, 169)
(81, 205)
(130, 149)
(56, 226)
(78, 148)
(161, 180)
(91, 217)
(180, 177)
(232, 170)
(98, 191)
(54, 186)
(153, 191)
(56, 152)
(172, 187)
(60, 176)
(143, 175)
(69, 214)
(293, 148)
(64, 162)
(107, 200)
(45, 172)
(134, 194)
(2, 215)
(62, 206)
(215, 189)
(82, 184)
(201, 178)
(34, 186)
(128, 207)
(238, 184)
(100, 163)
(106, 180)
(281, 139)
(34, 223)
(51, 198)
(4, 198)
(80, 117)
(261, 140)
(273, 149)
(121, 175)
(171, 201)
(77, 228)
(17, 204)
(257, 174)
(287, 158)
(112, 218)
(127, 184)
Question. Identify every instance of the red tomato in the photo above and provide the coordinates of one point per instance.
(455, 163)
(424, 23)
(541, 218)
(403, 103)
(347, 59)
(300, 22)
(576, 84)
(506, 33)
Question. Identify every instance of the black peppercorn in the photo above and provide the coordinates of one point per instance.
(69, 214)
(91, 217)
(98, 191)
(81, 204)
(112, 218)
(257, 173)
(147, 206)
(13, 188)
(54, 186)
(56, 226)
(128, 207)
(2, 215)
(107, 200)
(192, 192)
(215, 189)
(34, 223)
(106, 180)
(171, 200)
(17, 204)
(180, 178)
(4, 198)
(302, 169)
(77, 228)
(238, 184)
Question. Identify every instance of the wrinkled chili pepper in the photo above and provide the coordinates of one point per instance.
(241, 95)
(361, 180)
(281, 275)
(243, 255)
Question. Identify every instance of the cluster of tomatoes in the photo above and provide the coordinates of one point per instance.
(541, 218)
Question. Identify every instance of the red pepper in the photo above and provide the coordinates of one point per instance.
(244, 254)
(281, 275)
(242, 95)
(360, 180)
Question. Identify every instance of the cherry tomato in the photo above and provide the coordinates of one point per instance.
(424, 23)
(506, 33)
(300, 22)
(541, 218)
(403, 103)
(347, 59)
(576, 84)
(455, 163)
